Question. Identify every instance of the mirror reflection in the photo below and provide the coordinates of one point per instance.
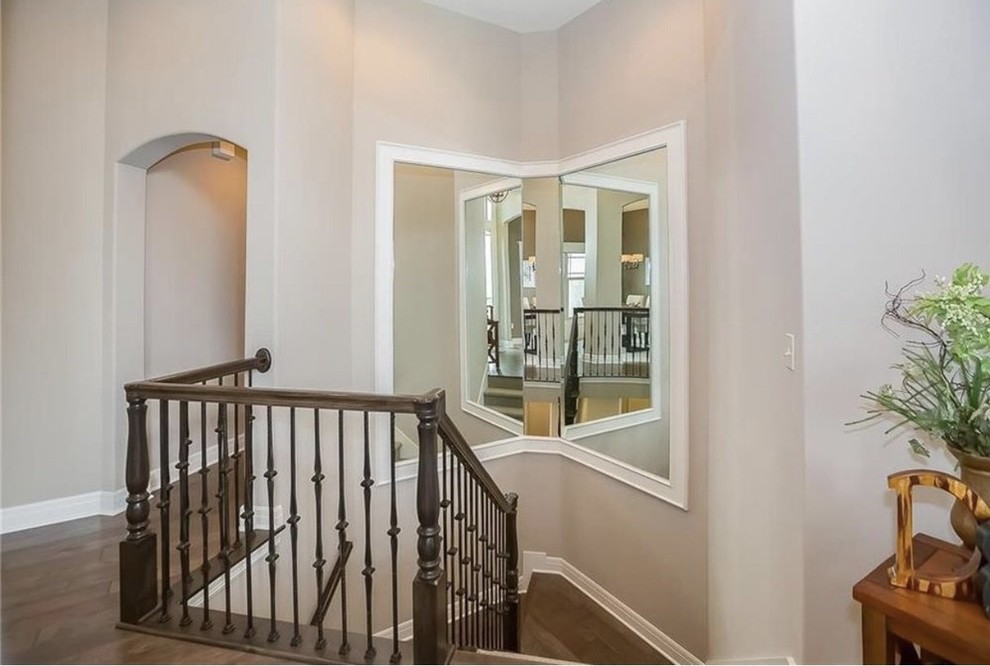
(614, 285)
(494, 268)
(540, 305)
(543, 333)
(453, 260)
(606, 286)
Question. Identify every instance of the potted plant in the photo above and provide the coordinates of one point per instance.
(944, 389)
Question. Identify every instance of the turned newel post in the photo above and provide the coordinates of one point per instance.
(430, 586)
(512, 577)
(138, 551)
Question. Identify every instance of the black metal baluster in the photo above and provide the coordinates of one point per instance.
(248, 514)
(512, 575)
(272, 557)
(393, 534)
(476, 562)
(545, 365)
(444, 520)
(369, 571)
(451, 538)
(184, 511)
(204, 516)
(600, 343)
(505, 578)
(293, 528)
(319, 562)
(462, 554)
(468, 561)
(491, 574)
(486, 572)
(165, 492)
(500, 587)
(492, 578)
(223, 495)
(342, 532)
(540, 347)
(237, 466)
(483, 589)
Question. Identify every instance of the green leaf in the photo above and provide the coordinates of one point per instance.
(918, 448)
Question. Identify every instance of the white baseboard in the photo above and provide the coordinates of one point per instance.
(61, 509)
(96, 503)
(534, 562)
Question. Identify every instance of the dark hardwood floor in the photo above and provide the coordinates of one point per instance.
(58, 594)
(58, 604)
(561, 622)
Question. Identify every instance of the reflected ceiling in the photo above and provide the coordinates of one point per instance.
(519, 15)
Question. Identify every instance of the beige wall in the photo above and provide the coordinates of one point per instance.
(754, 298)
(116, 77)
(194, 261)
(894, 164)
(663, 42)
(52, 165)
(429, 77)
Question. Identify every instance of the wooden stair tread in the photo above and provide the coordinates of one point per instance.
(218, 565)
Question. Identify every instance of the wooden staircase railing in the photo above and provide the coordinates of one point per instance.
(465, 590)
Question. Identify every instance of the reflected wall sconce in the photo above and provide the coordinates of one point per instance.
(498, 197)
(631, 261)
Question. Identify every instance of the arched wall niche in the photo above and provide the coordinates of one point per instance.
(124, 277)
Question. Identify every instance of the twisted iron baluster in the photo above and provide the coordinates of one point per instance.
(342, 532)
(248, 514)
(294, 529)
(204, 516)
(237, 465)
(272, 557)
(319, 562)
(393, 533)
(165, 492)
(223, 495)
(369, 571)
(184, 510)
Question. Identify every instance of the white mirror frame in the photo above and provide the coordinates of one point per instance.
(469, 403)
(673, 489)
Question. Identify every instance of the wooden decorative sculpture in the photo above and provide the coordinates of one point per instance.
(959, 583)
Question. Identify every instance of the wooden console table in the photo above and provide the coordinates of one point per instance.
(894, 618)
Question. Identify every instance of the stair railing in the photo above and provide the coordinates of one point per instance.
(605, 343)
(465, 590)
(541, 330)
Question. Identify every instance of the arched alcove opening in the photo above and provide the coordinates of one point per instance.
(195, 224)
(175, 282)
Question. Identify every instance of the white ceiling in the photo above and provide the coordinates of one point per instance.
(519, 15)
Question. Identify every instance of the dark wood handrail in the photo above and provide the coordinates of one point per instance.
(270, 397)
(543, 310)
(261, 361)
(621, 308)
(469, 459)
